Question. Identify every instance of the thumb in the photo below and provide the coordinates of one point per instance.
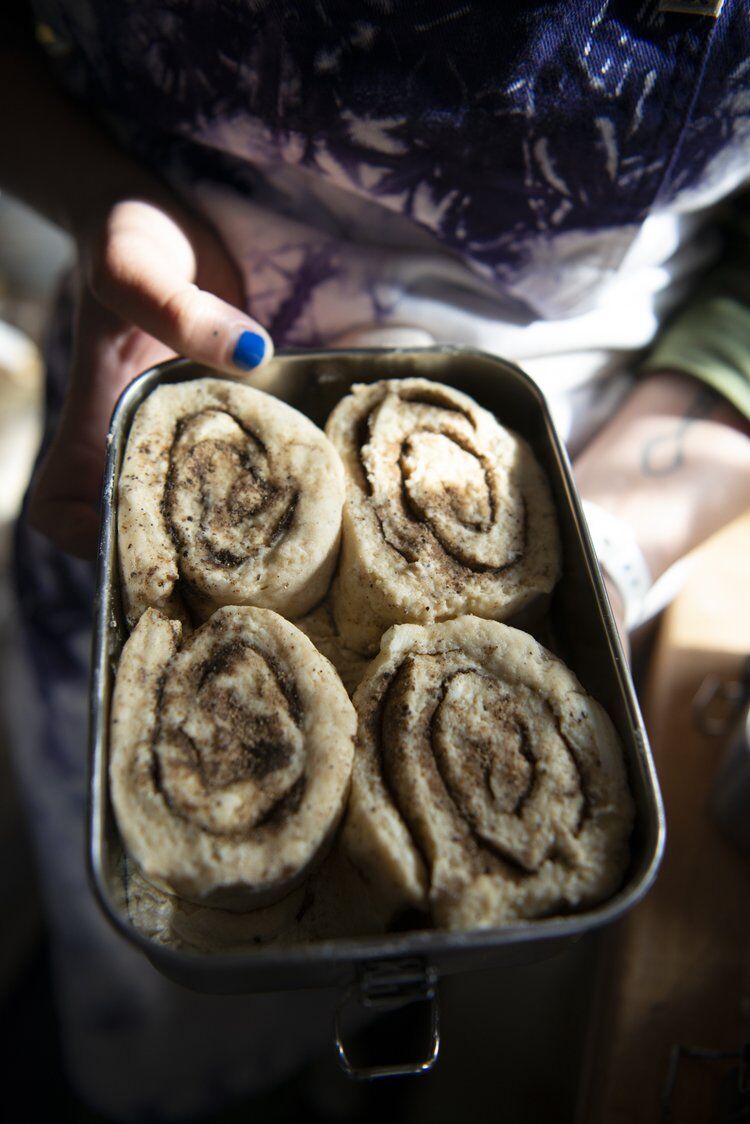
(148, 268)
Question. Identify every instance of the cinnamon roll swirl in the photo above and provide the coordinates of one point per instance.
(226, 496)
(487, 786)
(230, 755)
(446, 512)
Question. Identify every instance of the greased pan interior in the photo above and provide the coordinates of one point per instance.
(313, 381)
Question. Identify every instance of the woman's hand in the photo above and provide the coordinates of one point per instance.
(674, 464)
(153, 281)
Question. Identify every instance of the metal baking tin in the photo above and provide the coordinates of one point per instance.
(313, 381)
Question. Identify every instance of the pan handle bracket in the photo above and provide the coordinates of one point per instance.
(388, 986)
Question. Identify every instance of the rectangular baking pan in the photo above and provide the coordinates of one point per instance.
(313, 381)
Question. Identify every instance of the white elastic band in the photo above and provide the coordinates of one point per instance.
(620, 555)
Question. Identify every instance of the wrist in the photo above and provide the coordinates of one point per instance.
(118, 180)
(57, 157)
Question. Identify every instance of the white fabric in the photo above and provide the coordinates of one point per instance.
(580, 361)
(621, 558)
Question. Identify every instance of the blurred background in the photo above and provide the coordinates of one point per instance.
(33, 257)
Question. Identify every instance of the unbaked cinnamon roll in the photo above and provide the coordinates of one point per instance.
(230, 755)
(488, 787)
(446, 512)
(332, 903)
(226, 496)
(319, 627)
(177, 923)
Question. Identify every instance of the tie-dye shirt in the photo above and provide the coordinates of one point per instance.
(527, 178)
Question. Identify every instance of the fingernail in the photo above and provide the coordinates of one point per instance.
(249, 351)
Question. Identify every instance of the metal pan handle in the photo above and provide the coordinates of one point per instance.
(388, 986)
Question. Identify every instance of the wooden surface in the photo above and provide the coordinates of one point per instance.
(676, 970)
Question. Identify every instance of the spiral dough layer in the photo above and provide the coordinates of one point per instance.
(446, 512)
(226, 496)
(487, 785)
(230, 757)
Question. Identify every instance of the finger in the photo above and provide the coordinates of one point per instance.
(144, 271)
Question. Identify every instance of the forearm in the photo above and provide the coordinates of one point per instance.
(56, 158)
(674, 462)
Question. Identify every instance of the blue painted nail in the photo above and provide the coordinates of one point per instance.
(249, 351)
